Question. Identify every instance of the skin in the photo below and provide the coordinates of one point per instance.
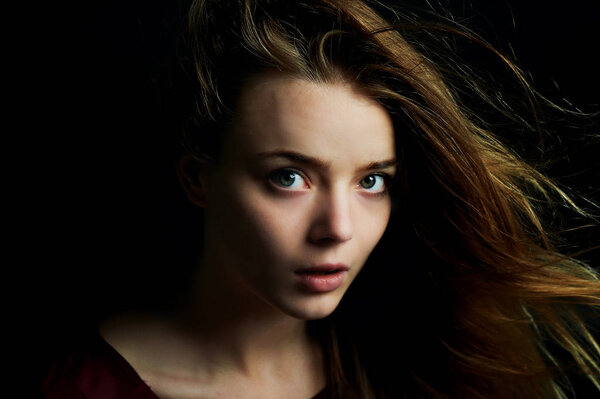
(299, 183)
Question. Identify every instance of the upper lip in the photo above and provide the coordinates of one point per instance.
(327, 267)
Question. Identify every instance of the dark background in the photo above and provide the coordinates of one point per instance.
(103, 210)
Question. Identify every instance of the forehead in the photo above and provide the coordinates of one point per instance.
(328, 120)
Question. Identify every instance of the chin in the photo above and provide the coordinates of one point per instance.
(313, 308)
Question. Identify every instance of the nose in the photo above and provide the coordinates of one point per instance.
(332, 221)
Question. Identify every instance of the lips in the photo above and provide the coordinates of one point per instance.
(325, 269)
(322, 278)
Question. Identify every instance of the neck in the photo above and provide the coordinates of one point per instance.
(225, 337)
(238, 329)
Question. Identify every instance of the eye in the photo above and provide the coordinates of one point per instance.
(288, 179)
(374, 183)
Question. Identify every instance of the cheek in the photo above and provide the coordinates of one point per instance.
(259, 226)
(279, 225)
(371, 223)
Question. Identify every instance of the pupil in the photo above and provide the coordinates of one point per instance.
(287, 178)
(368, 182)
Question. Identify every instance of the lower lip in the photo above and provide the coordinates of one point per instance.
(314, 282)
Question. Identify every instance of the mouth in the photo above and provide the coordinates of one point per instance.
(325, 269)
(322, 278)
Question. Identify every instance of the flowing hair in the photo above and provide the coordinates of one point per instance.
(466, 296)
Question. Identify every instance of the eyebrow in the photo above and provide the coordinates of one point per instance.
(322, 164)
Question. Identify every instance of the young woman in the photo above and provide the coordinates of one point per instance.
(325, 145)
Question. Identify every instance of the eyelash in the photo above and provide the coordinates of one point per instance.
(386, 184)
(274, 175)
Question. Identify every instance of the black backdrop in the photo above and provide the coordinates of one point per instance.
(103, 203)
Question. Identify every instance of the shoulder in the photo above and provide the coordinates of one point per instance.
(90, 368)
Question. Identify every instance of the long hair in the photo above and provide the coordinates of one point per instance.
(486, 306)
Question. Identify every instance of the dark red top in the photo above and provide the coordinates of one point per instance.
(93, 369)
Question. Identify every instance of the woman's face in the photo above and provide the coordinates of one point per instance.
(298, 198)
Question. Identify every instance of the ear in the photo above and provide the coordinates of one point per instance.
(189, 172)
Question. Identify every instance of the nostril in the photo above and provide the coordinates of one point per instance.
(328, 240)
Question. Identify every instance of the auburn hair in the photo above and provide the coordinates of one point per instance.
(466, 295)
